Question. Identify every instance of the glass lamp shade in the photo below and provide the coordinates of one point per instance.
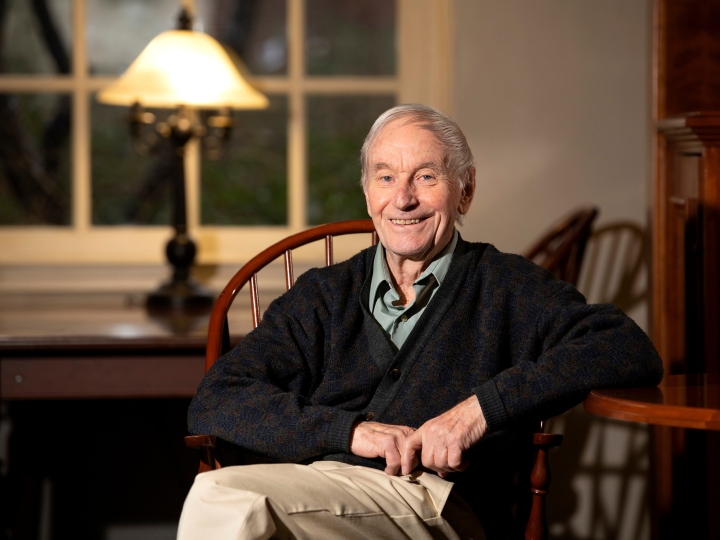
(182, 67)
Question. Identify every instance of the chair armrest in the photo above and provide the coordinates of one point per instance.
(549, 440)
(206, 444)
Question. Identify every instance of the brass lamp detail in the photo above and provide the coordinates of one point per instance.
(186, 71)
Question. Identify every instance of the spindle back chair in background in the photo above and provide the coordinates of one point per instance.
(562, 248)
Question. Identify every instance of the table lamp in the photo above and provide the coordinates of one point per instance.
(185, 71)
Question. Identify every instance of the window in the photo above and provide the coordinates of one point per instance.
(72, 189)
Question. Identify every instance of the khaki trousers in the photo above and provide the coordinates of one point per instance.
(324, 500)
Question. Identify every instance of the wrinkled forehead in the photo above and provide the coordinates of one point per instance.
(416, 136)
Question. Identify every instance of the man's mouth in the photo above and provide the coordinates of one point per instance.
(406, 221)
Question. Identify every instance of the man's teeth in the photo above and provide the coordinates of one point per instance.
(405, 221)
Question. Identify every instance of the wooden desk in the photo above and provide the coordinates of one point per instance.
(70, 346)
(96, 346)
(686, 401)
(76, 372)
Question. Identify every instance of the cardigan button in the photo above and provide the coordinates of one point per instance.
(395, 374)
(369, 416)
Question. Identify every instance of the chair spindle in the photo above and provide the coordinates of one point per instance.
(539, 485)
(375, 238)
(328, 250)
(254, 301)
(289, 278)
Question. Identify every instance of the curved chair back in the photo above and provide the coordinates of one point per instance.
(615, 257)
(218, 341)
(560, 250)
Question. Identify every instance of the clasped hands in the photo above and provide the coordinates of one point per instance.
(439, 444)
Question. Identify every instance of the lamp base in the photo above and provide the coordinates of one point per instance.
(186, 296)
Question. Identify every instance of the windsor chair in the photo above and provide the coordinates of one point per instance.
(560, 251)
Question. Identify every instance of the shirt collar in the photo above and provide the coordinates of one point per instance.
(439, 267)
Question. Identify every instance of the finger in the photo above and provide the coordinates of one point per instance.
(428, 459)
(408, 452)
(455, 459)
(392, 463)
(392, 460)
(441, 460)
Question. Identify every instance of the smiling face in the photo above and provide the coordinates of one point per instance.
(410, 199)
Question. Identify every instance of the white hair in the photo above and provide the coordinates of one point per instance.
(458, 161)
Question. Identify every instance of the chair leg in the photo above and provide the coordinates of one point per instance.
(206, 444)
(536, 528)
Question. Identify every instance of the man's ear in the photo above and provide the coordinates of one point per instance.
(468, 193)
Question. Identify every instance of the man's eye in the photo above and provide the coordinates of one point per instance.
(427, 177)
(386, 178)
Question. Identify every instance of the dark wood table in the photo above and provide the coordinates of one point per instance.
(685, 401)
(685, 480)
(101, 345)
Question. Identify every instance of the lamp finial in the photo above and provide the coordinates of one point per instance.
(184, 20)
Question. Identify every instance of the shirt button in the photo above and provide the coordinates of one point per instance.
(369, 416)
(395, 374)
(403, 318)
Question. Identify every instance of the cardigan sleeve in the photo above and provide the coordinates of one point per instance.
(256, 395)
(580, 346)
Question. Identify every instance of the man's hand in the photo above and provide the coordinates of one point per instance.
(373, 439)
(443, 439)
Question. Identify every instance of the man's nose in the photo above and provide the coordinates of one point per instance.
(405, 196)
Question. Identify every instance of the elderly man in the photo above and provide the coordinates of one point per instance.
(394, 391)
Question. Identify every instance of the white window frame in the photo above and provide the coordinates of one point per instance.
(425, 75)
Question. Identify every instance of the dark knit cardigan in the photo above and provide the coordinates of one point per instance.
(526, 344)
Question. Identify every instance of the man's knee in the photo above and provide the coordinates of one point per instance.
(227, 503)
(262, 479)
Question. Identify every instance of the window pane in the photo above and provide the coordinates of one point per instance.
(34, 40)
(337, 128)
(34, 159)
(127, 188)
(347, 37)
(248, 185)
(117, 32)
(255, 29)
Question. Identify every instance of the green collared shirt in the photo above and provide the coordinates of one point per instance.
(398, 321)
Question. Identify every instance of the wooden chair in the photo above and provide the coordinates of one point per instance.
(561, 249)
(559, 254)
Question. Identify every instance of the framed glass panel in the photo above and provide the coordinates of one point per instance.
(35, 37)
(35, 159)
(248, 185)
(254, 29)
(337, 127)
(127, 187)
(118, 31)
(347, 37)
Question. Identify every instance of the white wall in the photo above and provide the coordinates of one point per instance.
(554, 97)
